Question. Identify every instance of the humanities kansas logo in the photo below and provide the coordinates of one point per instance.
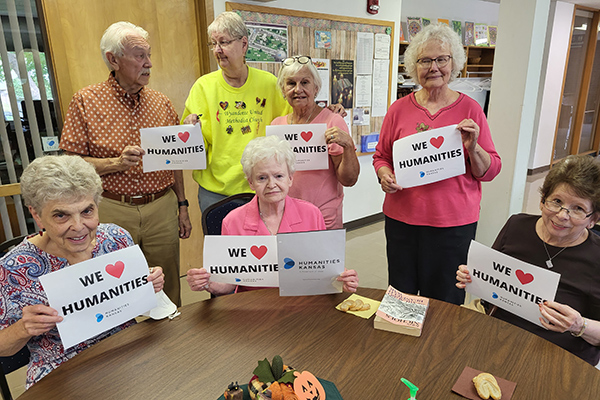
(289, 263)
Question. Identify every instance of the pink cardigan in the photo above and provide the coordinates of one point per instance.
(298, 216)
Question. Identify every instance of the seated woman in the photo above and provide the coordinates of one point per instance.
(561, 239)
(268, 163)
(62, 194)
(300, 82)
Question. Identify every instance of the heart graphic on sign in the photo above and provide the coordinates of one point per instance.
(184, 136)
(437, 142)
(306, 135)
(523, 277)
(115, 270)
(258, 252)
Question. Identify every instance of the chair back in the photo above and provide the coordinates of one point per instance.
(212, 217)
(11, 213)
(8, 365)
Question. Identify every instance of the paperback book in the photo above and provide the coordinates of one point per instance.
(401, 313)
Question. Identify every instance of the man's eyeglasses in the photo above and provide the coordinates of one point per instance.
(577, 213)
(223, 44)
(301, 60)
(441, 61)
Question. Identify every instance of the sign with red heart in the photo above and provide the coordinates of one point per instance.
(508, 283)
(242, 260)
(307, 141)
(103, 292)
(173, 148)
(428, 157)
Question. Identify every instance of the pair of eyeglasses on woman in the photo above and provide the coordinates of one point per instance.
(223, 44)
(577, 213)
(441, 61)
(301, 60)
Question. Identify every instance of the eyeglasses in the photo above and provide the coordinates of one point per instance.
(301, 60)
(223, 44)
(577, 213)
(441, 61)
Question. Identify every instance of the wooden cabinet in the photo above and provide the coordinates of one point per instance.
(480, 61)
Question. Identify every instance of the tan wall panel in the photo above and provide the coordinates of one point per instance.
(74, 31)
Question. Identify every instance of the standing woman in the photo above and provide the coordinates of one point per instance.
(234, 105)
(429, 228)
(300, 82)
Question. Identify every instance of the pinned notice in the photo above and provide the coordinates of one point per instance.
(307, 141)
(429, 156)
(508, 283)
(98, 294)
(173, 148)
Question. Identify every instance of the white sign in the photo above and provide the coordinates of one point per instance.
(307, 141)
(508, 283)
(98, 294)
(428, 157)
(173, 148)
(310, 262)
(242, 260)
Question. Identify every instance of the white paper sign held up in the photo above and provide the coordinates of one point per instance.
(242, 260)
(307, 141)
(508, 283)
(173, 148)
(98, 294)
(428, 157)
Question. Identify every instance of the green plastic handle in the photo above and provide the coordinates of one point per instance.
(413, 389)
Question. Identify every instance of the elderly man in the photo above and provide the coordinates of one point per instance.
(103, 126)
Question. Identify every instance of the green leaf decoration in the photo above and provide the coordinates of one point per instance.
(288, 377)
(277, 367)
(263, 371)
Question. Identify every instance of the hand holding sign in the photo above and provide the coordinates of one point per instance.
(39, 319)
(130, 157)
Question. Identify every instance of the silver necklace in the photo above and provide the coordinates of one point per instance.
(549, 261)
(311, 114)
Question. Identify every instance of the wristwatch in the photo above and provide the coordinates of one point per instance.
(184, 203)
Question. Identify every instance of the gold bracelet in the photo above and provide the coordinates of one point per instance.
(582, 329)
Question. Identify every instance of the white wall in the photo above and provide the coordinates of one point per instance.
(459, 10)
(557, 58)
(366, 197)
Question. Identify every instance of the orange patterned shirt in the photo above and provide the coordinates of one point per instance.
(102, 119)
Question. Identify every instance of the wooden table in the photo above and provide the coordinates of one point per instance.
(218, 341)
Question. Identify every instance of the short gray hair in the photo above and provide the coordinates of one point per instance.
(114, 38)
(443, 34)
(229, 22)
(287, 71)
(64, 178)
(267, 147)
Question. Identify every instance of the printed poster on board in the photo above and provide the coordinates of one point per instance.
(173, 148)
(342, 78)
(103, 292)
(428, 156)
(307, 141)
(511, 284)
(242, 260)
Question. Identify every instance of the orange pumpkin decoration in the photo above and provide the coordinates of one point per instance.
(308, 387)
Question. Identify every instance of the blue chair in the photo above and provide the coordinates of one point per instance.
(10, 364)
(212, 217)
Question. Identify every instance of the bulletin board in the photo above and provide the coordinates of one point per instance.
(301, 28)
